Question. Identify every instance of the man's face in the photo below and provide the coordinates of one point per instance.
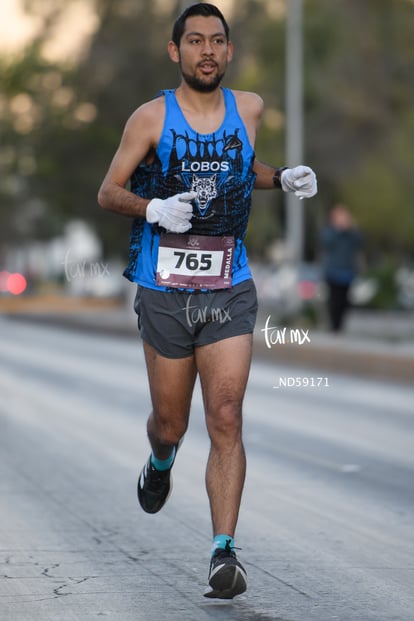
(203, 54)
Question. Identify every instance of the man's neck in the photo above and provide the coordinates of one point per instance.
(198, 102)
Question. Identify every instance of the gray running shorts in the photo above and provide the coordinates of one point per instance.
(174, 323)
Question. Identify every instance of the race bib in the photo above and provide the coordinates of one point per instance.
(195, 261)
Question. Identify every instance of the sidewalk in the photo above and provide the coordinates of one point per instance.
(377, 345)
(344, 354)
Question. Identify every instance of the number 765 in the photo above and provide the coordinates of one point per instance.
(193, 261)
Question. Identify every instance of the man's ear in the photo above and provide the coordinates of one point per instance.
(230, 50)
(173, 52)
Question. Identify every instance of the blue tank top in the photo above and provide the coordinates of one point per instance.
(218, 166)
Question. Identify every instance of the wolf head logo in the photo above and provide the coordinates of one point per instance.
(206, 189)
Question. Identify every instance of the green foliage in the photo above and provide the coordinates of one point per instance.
(360, 93)
(386, 213)
(386, 296)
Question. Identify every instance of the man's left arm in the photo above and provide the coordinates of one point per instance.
(301, 179)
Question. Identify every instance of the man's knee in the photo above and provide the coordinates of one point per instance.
(167, 430)
(225, 421)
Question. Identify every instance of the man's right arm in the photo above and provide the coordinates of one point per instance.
(139, 140)
(140, 137)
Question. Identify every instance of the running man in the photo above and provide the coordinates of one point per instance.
(189, 157)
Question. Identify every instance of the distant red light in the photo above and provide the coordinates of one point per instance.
(3, 280)
(16, 284)
(307, 289)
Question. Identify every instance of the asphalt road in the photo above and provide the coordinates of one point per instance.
(326, 527)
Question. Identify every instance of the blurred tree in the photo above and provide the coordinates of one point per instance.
(359, 112)
(61, 122)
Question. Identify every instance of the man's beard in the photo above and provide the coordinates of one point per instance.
(199, 85)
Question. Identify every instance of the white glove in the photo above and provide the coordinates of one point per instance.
(173, 213)
(300, 180)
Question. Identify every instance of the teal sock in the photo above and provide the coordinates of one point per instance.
(220, 541)
(163, 464)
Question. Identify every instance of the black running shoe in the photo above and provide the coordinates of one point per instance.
(154, 487)
(227, 577)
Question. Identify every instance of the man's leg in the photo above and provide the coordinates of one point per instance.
(343, 305)
(224, 369)
(338, 304)
(171, 384)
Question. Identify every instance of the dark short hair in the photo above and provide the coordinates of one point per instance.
(201, 8)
